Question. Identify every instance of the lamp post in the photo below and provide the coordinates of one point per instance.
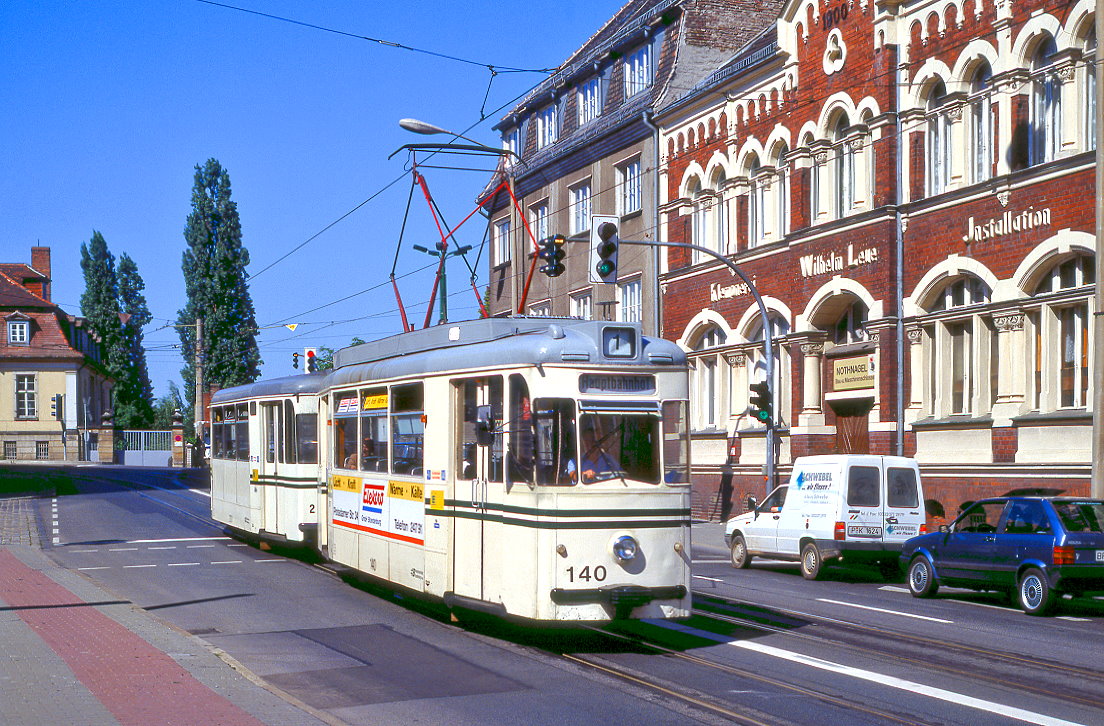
(439, 252)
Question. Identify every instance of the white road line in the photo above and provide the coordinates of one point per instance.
(883, 610)
(80, 551)
(55, 523)
(183, 564)
(893, 588)
(1073, 619)
(910, 686)
(708, 562)
(710, 579)
(173, 547)
(176, 539)
(123, 549)
(201, 493)
(196, 547)
(270, 560)
(227, 562)
(133, 567)
(237, 544)
(93, 568)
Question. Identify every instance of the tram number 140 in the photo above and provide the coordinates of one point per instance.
(587, 574)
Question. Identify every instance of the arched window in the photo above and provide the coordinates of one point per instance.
(701, 218)
(939, 156)
(782, 193)
(850, 328)
(962, 348)
(756, 202)
(722, 215)
(981, 122)
(1046, 107)
(1061, 329)
(705, 391)
(845, 167)
(757, 364)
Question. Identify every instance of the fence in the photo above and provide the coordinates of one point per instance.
(146, 448)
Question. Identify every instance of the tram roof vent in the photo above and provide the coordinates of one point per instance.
(556, 332)
(569, 356)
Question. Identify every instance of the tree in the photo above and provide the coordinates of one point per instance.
(134, 393)
(115, 308)
(167, 406)
(217, 288)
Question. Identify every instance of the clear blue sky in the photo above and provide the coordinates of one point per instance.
(110, 105)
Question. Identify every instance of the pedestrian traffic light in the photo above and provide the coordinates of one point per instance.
(552, 253)
(295, 359)
(761, 402)
(603, 246)
(311, 355)
(57, 406)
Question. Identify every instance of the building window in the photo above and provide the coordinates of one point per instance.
(961, 352)
(757, 206)
(628, 180)
(850, 326)
(26, 398)
(511, 141)
(845, 170)
(19, 332)
(502, 242)
(638, 70)
(981, 123)
(538, 220)
(581, 306)
(42, 450)
(543, 309)
(701, 220)
(704, 383)
(1046, 110)
(629, 308)
(547, 126)
(1062, 335)
(939, 155)
(1089, 122)
(782, 193)
(580, 208)
(589, 100)
(10, 450)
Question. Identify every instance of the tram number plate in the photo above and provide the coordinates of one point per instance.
(857, 530)
(1100, 555)
(587, 574)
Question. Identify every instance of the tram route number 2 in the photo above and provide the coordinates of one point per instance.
(587, 574)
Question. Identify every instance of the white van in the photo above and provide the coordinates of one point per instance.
(847, 506)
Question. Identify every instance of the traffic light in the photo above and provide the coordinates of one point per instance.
(312, 359)
(295, 360)
(57, 406)
(552, 253)
(761, 402)
(603, 246)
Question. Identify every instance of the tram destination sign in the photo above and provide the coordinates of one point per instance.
(614, 383)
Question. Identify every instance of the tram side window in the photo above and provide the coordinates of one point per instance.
(373, 429)
(242, 431)
(217, 427)
(224, 438)
(306, 437)
(471, 394)
(554, 439)
(676, 443)
(290, 447)
(407, 429)
(345, 430)
(618, 445)
(273, 450)
(522, 430)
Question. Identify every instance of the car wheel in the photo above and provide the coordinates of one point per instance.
(812, 564)
(921, 578)
(740, 557)
(1035, 595)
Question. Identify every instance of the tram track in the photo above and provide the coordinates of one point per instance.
(1003, 669)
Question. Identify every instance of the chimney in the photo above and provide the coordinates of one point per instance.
(40, 261)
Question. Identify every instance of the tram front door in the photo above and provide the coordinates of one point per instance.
(271, 458)
(478, 404)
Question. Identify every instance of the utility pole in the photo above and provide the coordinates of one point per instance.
(199, 381)
(1096, 486)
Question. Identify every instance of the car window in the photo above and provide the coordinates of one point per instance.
(1026, 518)
(1081, 516)
(902, 489)
(862, 486)
(774, 500)
(981, 517)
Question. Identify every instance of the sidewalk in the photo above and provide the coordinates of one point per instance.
(72, 653)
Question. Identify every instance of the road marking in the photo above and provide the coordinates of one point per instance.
(56, 522)
(237, 544)
(1073, 619)
(910, 686)
(710, 579)
(227, 562)
(196, 547)
(162, 548)
(94, 568)
(182, 564)
(131, 567)
(85, 551)
(708, 562)
(201, 493)
(123, 549)
(270, 560)
(883, 610)
(176, 539)
(893, 588)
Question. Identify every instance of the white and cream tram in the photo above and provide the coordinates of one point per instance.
(528, 467)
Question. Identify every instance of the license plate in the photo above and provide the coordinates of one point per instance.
(860, 531)
(1100, 555)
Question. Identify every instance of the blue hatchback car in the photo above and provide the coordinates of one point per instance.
(1034, 548)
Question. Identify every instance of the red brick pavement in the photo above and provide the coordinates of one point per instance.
(139, 684)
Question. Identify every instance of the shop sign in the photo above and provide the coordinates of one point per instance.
(1007, 223)
(720, 292)
(849, 374)
(813, 265)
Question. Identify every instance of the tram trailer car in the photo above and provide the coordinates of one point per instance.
(265, 476)
(526, 467)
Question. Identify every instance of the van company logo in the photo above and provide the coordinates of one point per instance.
(814, 481)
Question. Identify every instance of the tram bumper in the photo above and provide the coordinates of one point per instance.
(623, 598)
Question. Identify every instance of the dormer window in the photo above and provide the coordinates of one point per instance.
(547, 127)
(638, 70)
(19, 332)
(589, 101)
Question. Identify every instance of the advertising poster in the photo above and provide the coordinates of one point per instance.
(393, 509)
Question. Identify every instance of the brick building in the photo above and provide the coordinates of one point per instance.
(910, 185)
(45, 353)
(587, 146)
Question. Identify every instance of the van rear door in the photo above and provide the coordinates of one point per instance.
(863, 514)
(904, 512)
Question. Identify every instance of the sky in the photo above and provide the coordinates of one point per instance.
(111, 104)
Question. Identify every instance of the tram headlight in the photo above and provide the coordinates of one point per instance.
(625, 548)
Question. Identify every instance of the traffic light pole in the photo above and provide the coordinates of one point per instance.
(768, 342)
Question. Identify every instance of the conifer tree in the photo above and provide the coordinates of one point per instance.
(217, 288)
(134, 393)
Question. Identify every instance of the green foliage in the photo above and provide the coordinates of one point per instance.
(109, 292)
(166, 406)
(324, 358)
(217, 288)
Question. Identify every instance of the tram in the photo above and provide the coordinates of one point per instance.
(535, 468)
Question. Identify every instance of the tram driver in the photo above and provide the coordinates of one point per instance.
(596, 462)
